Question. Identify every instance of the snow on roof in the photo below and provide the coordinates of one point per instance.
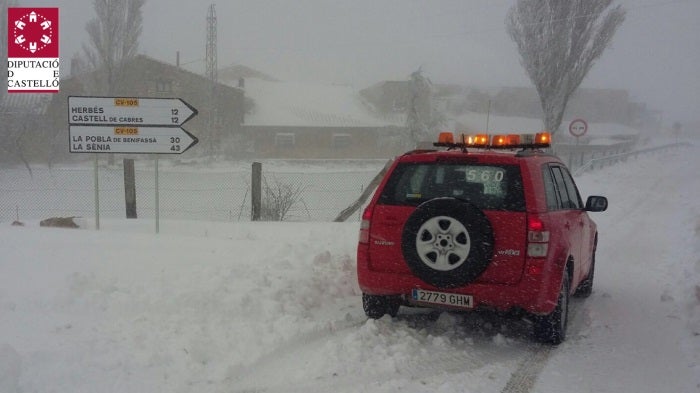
(306, 104)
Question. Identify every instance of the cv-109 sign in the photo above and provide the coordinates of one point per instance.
(129, 111)
(129, 125)
(130, 140)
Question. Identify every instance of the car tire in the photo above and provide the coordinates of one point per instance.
(376, 306)
(551, 328)
(585, 288)
(447, 242)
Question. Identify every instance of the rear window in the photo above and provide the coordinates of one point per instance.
(489, 187)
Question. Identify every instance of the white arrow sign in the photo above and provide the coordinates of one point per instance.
(129, 111)
(130, 139)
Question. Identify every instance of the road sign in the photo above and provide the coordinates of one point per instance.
(578, 127)
(129, 111)
(128, 139)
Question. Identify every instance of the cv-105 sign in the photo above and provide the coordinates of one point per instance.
(129, 125)
(129, 111)
(128, 139)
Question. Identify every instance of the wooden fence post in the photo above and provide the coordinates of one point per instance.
(130, 188)
(256, 192)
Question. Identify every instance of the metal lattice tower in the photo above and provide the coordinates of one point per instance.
(212, 76)
(210, 59)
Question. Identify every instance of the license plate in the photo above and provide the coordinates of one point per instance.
(443, 299)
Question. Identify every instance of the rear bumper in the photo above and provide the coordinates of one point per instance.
(536, 294)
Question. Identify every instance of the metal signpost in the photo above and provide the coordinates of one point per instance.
(577, 128)
(129, 125)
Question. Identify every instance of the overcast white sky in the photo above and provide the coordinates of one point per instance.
(655, 54)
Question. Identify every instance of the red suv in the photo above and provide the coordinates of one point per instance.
(491, 222)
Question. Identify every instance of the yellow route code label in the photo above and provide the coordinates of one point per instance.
(126, 102)
(126, 131)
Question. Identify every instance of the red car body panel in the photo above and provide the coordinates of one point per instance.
(512, 280)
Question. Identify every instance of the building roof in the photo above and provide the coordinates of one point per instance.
(232, 73)
(311, 105)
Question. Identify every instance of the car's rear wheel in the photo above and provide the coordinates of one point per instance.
(551, 328)
(447, 242)
(377, 306)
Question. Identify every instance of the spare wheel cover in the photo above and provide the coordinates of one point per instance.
(447, 242)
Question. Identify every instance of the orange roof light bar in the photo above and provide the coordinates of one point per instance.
(446, 138)
(543, 138)
(540, 139)
(478, 140)
(505, 141)
(501, 141)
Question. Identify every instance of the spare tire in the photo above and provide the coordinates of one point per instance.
(447, 242)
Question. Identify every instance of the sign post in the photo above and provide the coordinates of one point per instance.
(129, 125)
(577, 128)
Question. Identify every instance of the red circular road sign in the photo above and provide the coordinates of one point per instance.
(578, 127)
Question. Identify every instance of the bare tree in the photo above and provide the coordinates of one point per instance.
(15, 143)
(558, 43)
(422, 116)
(24, 132)
(4, 4)
(113, 39)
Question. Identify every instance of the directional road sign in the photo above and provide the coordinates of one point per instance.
(129, 111)
(128, 139)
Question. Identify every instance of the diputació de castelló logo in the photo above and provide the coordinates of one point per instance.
(32, 50)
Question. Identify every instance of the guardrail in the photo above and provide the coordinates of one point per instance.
(611, 159)
(577, 155)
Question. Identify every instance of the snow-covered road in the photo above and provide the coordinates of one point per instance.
(274, 307)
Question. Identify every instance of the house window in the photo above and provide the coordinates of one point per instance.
(341, 141)
(164, 86)
(284, 139)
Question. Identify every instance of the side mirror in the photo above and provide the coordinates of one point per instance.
(596, 203)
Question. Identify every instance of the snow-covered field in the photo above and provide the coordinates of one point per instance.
(274, 307)
(187, 190)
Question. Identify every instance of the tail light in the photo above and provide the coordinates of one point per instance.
(537, 238)
(364, 226)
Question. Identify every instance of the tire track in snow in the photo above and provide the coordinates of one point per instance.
(524, 377)
(473, 355)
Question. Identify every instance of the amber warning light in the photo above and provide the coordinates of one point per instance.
(498, 141)
(446, 138)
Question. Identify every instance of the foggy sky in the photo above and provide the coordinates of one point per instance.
(655, 54)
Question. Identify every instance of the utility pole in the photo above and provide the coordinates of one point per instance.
(211, 44)
(212, 75)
